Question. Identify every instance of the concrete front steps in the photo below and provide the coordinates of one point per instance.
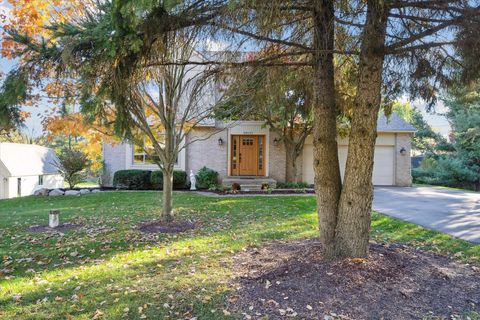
(249, 183)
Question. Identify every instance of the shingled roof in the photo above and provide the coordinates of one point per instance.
(27, 159)
(393, 124)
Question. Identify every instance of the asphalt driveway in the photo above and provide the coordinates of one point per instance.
(454, 212)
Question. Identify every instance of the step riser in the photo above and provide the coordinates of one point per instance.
(249, 184)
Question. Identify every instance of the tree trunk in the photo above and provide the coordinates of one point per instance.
(291, 162)
(354, 215)
(167, 214)
(168, 165)
(328, 182)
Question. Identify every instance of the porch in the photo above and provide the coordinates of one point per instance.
(249, 183)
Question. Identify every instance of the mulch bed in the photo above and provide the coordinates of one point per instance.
(61, 228)
(274, 191)
(158, 226)
(290, 279)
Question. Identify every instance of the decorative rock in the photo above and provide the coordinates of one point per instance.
(56, 192)
(96, 190)
(84, 191)
(43, 192)
(72, 193)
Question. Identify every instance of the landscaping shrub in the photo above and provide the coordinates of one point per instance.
(132, 179)
(443, 171)
(236, 186)
(72, 164)
(206, 178)
(179, 180)
(156, 180)
(292, 185)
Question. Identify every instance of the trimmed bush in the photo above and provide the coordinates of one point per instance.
(156, 179)
(292, 185)
(132, 179)
(179, 180)
(206, 178)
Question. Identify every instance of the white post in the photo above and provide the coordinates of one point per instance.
(193, 181)
(54, 218)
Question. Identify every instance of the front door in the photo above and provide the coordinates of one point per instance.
(248, 155)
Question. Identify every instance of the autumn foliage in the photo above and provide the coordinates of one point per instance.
(88, 137)
(29, 17)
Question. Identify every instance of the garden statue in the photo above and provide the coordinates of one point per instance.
(193, 181)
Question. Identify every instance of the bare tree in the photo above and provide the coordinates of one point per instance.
(166, 101)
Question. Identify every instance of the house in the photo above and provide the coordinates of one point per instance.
(248, 152)
(24, 168)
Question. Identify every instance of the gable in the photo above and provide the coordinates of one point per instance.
(24, 159)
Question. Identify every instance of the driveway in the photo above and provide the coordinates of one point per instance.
(451, 211)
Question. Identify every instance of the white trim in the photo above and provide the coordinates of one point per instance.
(248, 128)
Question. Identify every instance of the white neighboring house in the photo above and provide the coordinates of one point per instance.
(25, 168)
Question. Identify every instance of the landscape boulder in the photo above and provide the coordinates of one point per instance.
(43, 192)
(96, 190)
(72, 193)
(56, 192)
(84, 191)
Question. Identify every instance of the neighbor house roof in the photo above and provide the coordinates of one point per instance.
(393, 123)
(27, 159)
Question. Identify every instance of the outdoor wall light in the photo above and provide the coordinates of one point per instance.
(403, 151)
(220, 141)
(276, 141)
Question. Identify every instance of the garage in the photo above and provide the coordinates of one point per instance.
(384, 161)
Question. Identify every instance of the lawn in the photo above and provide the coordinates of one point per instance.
(107, 270)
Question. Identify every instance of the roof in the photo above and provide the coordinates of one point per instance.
(393, 124)
(27, 159)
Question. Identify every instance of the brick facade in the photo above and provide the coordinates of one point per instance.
(277, 159)
(203, 149)
(403, 163)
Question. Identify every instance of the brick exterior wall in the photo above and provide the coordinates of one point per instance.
(207, 152)
(403, 172)
(114, 157)
(277, 159)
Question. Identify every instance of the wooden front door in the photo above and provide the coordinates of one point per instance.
(248, 155)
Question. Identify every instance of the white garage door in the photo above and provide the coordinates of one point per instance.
(383, 168)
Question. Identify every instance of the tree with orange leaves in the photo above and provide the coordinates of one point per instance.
(30, 18)
(80, 134)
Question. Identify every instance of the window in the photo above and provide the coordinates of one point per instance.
(146, 158)
(234, 154)
(142, 157)
(260, 153)
(247, 141)
(40, 180)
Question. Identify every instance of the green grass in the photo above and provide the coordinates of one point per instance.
(443, 187)
(109, 269)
